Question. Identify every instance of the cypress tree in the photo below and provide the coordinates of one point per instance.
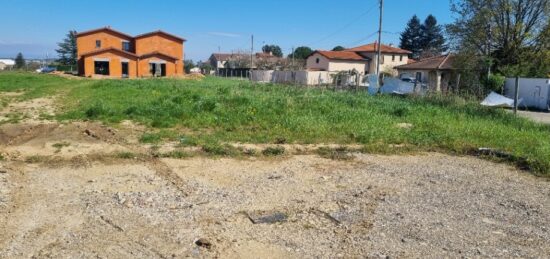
(433, 41)
(411, 38)
(19, 61)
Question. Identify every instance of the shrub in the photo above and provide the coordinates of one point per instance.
(273, 151)
(495, 82)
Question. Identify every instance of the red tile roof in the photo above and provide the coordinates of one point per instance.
(157, 53)
(109, 49)
(340, 55)
(106, 28)
(160, 32)
(373, 47)
(228, 56)
(444, 62)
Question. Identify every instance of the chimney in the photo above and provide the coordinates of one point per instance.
(391, 45)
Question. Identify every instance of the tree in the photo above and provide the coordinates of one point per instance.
(273, 49)
(432, 39)
(188, 64)
(338, 48)
(301, 53)
(19, 61)
(411, 38)
(505, 35)
(67, 49)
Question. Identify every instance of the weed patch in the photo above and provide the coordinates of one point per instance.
(274, 151)
(339, 153)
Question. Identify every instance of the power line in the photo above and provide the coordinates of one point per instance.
(363, 39)
(345, 26)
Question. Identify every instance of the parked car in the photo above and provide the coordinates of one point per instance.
(408, 79)
(45, 70)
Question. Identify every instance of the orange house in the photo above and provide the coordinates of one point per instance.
(106, 52)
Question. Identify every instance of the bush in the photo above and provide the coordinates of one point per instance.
(495, 82)
(273, 151)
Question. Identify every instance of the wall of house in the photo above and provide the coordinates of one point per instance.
(387, 64)
(108, 39)
(311, 62)
(115, 64)
(345, 65)
(164, 44)
(424, 73)
(171, 67)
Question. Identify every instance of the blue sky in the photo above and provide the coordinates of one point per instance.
(208, 25)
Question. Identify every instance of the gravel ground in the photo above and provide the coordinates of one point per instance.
(429, 205)
(542, 117)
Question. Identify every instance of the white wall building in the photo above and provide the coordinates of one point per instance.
(6, 62)
(363, 59)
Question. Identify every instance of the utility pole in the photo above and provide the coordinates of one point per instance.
(489, 42)
(516, 95)
(379, 42)
(292, 57)
(252, 53)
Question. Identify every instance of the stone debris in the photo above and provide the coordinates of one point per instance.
(266, 217)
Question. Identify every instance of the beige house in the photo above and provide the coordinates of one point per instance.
(438, 73)
(6, 63)
(334, 61)
(362, 58)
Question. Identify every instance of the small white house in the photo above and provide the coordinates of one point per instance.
(363, 59)
(439, 73)
(6, 62)
(336, 61)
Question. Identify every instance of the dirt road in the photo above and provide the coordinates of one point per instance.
(63, 196)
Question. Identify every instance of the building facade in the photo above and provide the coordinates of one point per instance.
(439, 73)
(106, 52)
(363, 59)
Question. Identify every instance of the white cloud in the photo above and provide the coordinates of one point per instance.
(225, 34)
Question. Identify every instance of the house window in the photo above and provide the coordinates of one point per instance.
(97, 44)
(317, 61)
(383, 59)
(101, 68)
(401, 58)
(126, 46)
(392, 58)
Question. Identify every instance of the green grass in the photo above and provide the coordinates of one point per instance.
(35, 85)
(220, 111)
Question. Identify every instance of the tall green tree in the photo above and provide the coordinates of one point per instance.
(338, 48)
(19, 61)
(432, 38)
(411, 37)
(301, 53)
(188, 64)
(273, 49)
(67, 49)
(502, 34)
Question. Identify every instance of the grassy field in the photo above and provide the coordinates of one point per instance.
(218, 110)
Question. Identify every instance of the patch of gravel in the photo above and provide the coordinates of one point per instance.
(428, 205)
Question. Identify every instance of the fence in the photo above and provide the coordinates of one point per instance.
(533, 92)
(310, 78)
(233, 72)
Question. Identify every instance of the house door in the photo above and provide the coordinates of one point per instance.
(162, 69)
(124, 69)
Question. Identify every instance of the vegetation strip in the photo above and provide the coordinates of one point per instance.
(212, 111)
